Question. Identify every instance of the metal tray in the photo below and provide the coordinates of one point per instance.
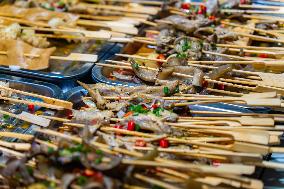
(29, 85)
(65, 73)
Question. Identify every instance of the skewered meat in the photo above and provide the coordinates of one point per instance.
(221, 71)
(38, 14)
(150, 122)
(36, 41)
(10, 32)
(144, 74)
(186, 25)
(14, 31)
(174, 61)
(93, 116)
(198, 77)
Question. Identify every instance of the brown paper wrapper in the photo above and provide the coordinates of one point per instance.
(16, 50)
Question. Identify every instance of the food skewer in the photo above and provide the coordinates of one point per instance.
(71, 57)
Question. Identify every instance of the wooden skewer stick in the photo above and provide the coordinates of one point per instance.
(70, 57)
(12, 152)
(20, 136)
(259, 7)
(141, 10)
(16, 146)
(155, 181)
(182, 75)
(250, 28)
(250, 11)
(49, 100)
(171, 139)
(31, 118)
(264, 17)
(102, 146)
(195, 151)
(137, 1)
(115, 28)
(251, 47)
(244, 120)
(41, 104)
(87, 34)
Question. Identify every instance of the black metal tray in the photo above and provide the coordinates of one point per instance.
(65, 73)
(29, 85)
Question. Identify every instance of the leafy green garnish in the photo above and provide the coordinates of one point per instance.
(138, 109)
(158, 111)
(181, 55)
(82, 180)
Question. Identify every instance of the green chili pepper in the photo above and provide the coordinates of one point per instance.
(166, 91)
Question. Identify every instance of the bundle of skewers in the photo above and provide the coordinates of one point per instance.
(29, 28)
(140, 137)
(148, 136)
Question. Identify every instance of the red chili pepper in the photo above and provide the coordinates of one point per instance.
(31, 108)
(221, 86)
(161, 57)
(155, 106)
(144, 106)
(203, 8)
(118, 127)
(212, 18)
(130, 126)
(89, 173)
(185, 6)
(164, 143)
(200, 11)
(140, 143)
(205, 84)
(216, 163)
(263, 55)
(98, 176)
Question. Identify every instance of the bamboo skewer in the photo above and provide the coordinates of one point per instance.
(264, 17)
(182, 75)
(49, 100)
(259, 7)
(28, 118)
(250, 11)
(140, 10)
(41, 104)
(70, 57)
